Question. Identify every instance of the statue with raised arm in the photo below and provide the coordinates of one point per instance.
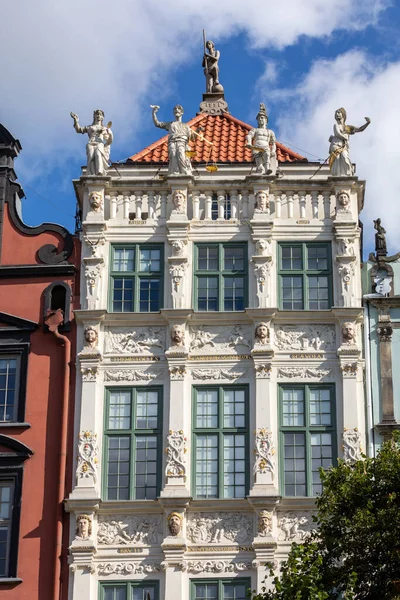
(262, 142)
(339, 150)
(98, 146)
(179, 136)
(211, 68)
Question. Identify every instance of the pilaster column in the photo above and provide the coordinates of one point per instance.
(385, 332)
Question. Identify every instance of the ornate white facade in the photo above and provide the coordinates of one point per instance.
(303, 349)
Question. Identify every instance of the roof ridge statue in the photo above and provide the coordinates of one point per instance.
(339, 154)
(179, 136)
(262, 142)
(211, 67)
(98, 146)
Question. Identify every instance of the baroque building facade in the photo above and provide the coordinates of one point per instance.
(220, 361)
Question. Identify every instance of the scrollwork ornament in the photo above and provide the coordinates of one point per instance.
(215, 566)
(125, 568)
(175, 451)
(349, 370)
(351, 445)
(87, 455)
(263, 371)
(264, 452)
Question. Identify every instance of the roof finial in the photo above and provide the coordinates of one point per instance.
(213, 100)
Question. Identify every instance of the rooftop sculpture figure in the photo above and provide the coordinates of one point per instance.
(179, 136)
(98, 146)
(262, 142)
(211, 67)
(380, 239)
(339, 155)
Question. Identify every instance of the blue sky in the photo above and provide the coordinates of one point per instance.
(302, 58)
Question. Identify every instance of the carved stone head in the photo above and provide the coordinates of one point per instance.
(340, 115)
(91, 337)
(262, 200)
(262, 247)
(349, 334)
(344, 201)
(96, 201)
(98, 116)
(175, 523)
(83, 527)
(262, 117)
(178, 247)
(178, 110)
(262, 333)
(178, 335)
(264, 522)
(179, 200)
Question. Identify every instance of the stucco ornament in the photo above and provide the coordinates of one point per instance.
(302, 372)
(216, 374)
(125, 568)
(351, 445)
(349, 370)
(175, 521)
(263, 248)
(87, 455)
(96, 201)
(144, 530)
(220, 340)
(343, 200)
(142, 341)
(262, 202)
(211, 68)
(177, 372)
(93, 274)
(263, 144)
(349, 334)
(91, 338)
(264, 527)
(178, 336)
(83, 529)
(339, 152)
(262, 334)
(346, 272)
(215, 566)
(175, 451)
(263, 371)
(179, 200)
(264, 452)
(130, 375)
(179, 136)
(215, 528)
(294, 526)
(178, 248)
(305, 337)
(98, 146)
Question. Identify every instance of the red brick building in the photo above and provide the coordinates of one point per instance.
(38, 274)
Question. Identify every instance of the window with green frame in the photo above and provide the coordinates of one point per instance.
(220, 589)
(136, 278)
(130, 590)
(220, 442)
(132, 453)
(305, 276)
(307, 436)
(220, 277)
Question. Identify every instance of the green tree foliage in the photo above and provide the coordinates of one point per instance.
(355, 550)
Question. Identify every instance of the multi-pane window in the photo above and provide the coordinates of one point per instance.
(220, 435)
(6, 505)
(8, 387)
(133, 444)
(307, 437)
(305, 277)
(222, 589)
(136, 278)
(220, 277)
(131, 590)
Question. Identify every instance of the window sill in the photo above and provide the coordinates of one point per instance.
(10, 580)
(22, 425)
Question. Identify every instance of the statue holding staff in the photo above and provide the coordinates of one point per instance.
(98, 146)
(211, 67)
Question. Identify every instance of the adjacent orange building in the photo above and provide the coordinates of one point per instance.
(38, 281)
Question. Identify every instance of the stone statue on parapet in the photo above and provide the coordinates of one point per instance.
(339, 150)
(261, 141)
(380, 239)
(211, 67)
(179, 136)
(98, 146)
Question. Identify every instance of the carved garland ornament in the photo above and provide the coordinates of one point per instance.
(130, 375)
(127, 568)
(175, 451)
(87, 455)
(214, 566)
(303, 372)
(264, 451)
(263, 371)
(215, 374)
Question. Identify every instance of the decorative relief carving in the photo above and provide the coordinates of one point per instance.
(263, 371)
(130, 375)
(303, 372)
(262, 334)
(179, 200)
(214, 566)
(177, 273)
(178, 247)
(216, 374)
(87, 455)
(92, 275)
(349, 334)
(175, 451)
(143, 341)
(346, 273)
(175, 521)
(218, 528)
(178, 336)
(95, 243)
(89, 373)
(262, 270)
(178, 372)
(264, 451)
(295, 526)
(83, 529)
(343, 200)
(351, 445)
(264, 527)
(96, 201)
(349, 369)
(144, 530)
(263, 248)
(220, 340)
(125, 568)
(346, 247)
(305, 337)
(91, 341)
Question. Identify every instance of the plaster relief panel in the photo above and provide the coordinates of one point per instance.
(141, 530)
(220, 528)
(144, 340)
(295, 526)
(305, 338)
(234, 339)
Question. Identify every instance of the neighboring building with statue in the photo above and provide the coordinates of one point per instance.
(38, 281)
(381, 284)
(220, 361)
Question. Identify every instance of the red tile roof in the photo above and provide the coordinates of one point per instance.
(228, 136)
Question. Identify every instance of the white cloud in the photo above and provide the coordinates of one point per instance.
(364, 87)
